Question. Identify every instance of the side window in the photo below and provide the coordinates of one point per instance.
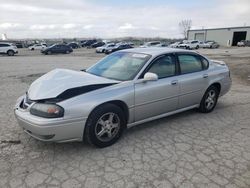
(163, 67)
(189, 63)
(204, 62)
(1, 45)
(4, 45)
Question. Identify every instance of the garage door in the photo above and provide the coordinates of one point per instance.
(199, 36)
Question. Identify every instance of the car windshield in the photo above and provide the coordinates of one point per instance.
(120, 66)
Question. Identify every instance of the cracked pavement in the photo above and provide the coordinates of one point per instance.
(184, 150)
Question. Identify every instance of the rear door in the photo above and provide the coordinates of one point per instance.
(154, 98)
(193, 78)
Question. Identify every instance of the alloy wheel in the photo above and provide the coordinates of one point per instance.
(107, 127)
(210, 99)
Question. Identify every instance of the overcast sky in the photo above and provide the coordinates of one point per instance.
(116, 18)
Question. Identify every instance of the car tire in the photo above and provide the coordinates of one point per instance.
(67, 52)
(32, 49)
(197, 47)
(105, 125)
(209, 100)
(48, 53)
(10, 52)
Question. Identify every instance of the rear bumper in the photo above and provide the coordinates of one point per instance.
(54, 129)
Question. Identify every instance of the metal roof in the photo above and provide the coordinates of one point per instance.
(222, 28)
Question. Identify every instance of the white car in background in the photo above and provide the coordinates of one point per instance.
(37, 47)
(202, 44)
(8, 48)
(211, 44)
(150, 44)
(175, 45)
(192, 44)
(102, 49)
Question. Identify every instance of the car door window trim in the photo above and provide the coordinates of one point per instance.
(154, 60)
(191, 54)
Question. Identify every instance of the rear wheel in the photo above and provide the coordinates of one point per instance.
(10, 52)
(209, 100)
(49, 53)
(105, 125)
(67, 52)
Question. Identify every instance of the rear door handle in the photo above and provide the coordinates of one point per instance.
(205, 75)
(174, 82)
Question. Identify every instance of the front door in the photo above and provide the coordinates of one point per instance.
(154, 98)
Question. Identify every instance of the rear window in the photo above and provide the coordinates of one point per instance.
(189, 63)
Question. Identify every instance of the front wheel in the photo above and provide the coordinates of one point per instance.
(209, 100)
(105, 125)
(10, 53)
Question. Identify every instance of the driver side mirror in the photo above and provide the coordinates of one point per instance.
(149, 76)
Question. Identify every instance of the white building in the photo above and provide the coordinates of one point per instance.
(224, 36)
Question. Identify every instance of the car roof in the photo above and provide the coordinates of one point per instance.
(6, 43)
(154, 51)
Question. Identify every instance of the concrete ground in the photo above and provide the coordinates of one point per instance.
(185, 150)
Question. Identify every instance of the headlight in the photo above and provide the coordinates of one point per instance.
(47, 110)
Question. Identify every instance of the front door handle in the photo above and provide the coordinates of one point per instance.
(174, 82)
(205, 75)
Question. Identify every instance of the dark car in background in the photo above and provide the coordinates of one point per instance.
(117, 48)
(88, 43)
(57, 49)
(73, 45)
(19, 45)
(97, 44)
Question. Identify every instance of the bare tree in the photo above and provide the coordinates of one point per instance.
(185, 25)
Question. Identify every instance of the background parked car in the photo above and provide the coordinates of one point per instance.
(117, 48)
(37, 47)
(174, 45)
(57, 48)
(8, 48)
(73, 45)
(193, 44)
(211, 44)
(202, 44)
(102, 49)
(88, 43)
(19, 45)
(150, 44)
(243, 43)
(97, 44)
(161, 45)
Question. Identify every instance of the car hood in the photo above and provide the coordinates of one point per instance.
(58, 81)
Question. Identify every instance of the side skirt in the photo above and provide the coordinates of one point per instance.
(162, 115)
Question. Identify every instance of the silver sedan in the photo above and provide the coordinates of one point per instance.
(124, 89)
